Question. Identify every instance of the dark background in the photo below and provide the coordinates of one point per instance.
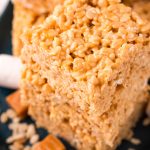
(140, 132)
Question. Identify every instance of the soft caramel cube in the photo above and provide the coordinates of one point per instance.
(15, 102)
(49, 143)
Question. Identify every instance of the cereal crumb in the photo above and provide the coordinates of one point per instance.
(16, 120)
(4, 118)
(16, 146)
(15, 137)
(135, 141)
(34, 139)
(11, 113)
(27, 148)
(146, 122)
(21, 132)
(31, 131)
(131, 149)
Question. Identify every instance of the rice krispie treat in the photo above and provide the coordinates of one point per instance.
(85, 72)
(26, 14)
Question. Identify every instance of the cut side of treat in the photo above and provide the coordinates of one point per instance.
(49, 143)
(85, 72)
(14, 102)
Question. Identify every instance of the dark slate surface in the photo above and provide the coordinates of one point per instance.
(143, 133)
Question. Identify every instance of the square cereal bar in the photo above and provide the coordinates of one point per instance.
(85, 72)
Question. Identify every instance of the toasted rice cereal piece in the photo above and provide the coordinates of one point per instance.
(4, 118)
(135, 141)
(27, 148)
(17, 137)
(34, 139)
(31, 131)
(146, 121)
(11, 113)
(16, 120)
(131, 149)
(16, 146)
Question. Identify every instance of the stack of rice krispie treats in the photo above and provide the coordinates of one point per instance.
(85, 69)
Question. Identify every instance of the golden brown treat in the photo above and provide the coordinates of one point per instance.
(26, 14)
(85, 72)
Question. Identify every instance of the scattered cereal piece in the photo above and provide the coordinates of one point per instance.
(34, 139)
(135, 141)
(11, 113)
(49, 143)
(131, 149)
(31, 131)
(14, 101)
(16, 146)
(23, 127)
(3, 118)
(27, 148)
(14, 138)
(146, 122)
(21, 132)
(16, 120)
(9, 140)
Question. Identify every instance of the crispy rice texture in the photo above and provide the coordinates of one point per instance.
(85, 72)
(31, 12)
(142, 7)
(40, 6)
(28, 13)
